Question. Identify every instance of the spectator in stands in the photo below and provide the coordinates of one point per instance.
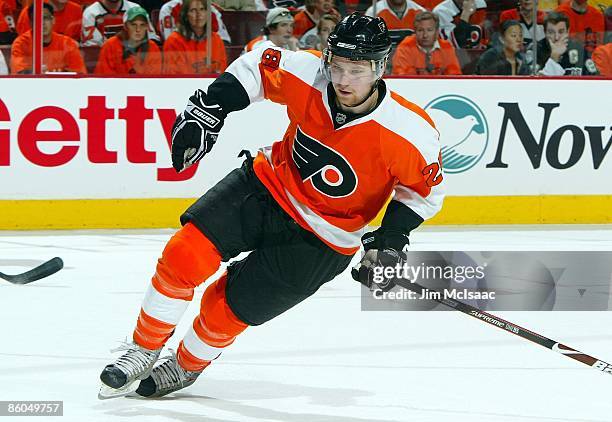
(462, 22)
(246, 5)
(185, 51)
(103, 19)
(505, 58)
(130, 51)
(425, 53)
(307, 19)
(397, 14)
(7, 35)
(169, 16)
(7, 23)
(558, 54)
(602, 57)
(67, 16)
(524, 14)
(278, 31)
(310, 39)
(60, 52)
(586, 23)
(325, 26)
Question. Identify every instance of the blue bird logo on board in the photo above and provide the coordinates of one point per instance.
(464, 132)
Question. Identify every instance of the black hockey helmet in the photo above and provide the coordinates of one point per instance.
(360, 37)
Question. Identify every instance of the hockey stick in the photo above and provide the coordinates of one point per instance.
(504, 325)
(43, 270)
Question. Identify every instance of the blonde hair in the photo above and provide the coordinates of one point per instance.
(327, 17)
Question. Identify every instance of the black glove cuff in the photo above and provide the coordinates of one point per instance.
(385, 238)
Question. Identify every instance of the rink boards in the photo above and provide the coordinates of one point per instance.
(89, 152)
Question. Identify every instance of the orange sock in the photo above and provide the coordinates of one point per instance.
(215, 328)
(188, 260)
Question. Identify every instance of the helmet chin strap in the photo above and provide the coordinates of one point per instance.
(367, 97)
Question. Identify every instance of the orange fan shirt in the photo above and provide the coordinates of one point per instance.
(602, 56)
(302, 23)
(588, 27)
(384, 11)
(334, 180)
(4, 27)
(67, 21)
(188, 56)
(410, 59)
(114, 60)
(60, 55)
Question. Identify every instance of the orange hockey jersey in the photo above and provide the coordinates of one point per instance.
(334, 180)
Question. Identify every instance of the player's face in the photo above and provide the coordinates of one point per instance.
(326, 28)
(426, 33)
(513, 38)
(283, 31)
(48, 21)
(526, 4)
(554, 32)
(196, 15)
(137, 29)
(352, 80)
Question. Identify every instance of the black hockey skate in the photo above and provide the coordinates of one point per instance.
(120, 378)
(166, 378)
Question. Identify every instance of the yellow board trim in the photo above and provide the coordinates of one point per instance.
(163, 213)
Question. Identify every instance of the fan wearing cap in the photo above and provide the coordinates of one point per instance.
(130, 51)
(299, 210)
(60, 52)
(278, 32)
(185, 50)
(104, 18)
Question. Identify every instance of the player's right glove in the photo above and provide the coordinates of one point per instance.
(195, 131)
(383, 248)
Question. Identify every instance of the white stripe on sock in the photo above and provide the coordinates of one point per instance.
(163, 308)
(198, 348)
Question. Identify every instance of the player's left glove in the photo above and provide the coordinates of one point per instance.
(195, 131)
(383, 248)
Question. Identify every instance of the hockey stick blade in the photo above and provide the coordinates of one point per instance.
(510, 327)
(43, 270)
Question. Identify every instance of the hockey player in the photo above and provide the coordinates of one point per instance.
(300, 207)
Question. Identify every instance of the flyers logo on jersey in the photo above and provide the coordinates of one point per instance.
(271, 58)
(329, 172)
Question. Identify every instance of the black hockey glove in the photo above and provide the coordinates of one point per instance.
(383, 248)
(195, 131)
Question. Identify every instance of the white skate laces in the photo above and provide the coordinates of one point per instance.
(119, 378)
(166, 378)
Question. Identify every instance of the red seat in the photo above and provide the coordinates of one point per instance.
(90, 57)
(243, 26)
(468, 58)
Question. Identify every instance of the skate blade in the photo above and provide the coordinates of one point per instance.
(107, 392)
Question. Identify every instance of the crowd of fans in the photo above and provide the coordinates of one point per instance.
(431, 37)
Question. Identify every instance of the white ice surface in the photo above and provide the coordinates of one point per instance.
(324, 360)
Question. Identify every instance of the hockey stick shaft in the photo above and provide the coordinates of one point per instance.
(509, 326)
(43, 270)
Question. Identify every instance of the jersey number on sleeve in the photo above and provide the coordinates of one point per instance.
(433, 173)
